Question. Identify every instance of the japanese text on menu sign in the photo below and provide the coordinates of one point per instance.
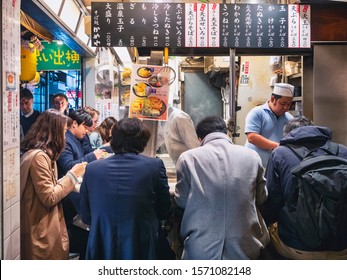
(299, 26)
(137, 24)
(200, 25)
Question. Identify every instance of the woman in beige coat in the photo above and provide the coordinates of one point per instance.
(43, 229)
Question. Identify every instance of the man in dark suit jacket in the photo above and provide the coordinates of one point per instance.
(72, 154)
(124, 196)
(28, 115)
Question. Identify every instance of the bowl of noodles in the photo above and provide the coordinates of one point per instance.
(145, 72)
(142, 89)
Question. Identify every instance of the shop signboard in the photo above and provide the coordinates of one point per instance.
(196, 25)
(56, 56)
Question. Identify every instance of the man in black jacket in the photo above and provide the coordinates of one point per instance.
(278, 210)
(28, 115)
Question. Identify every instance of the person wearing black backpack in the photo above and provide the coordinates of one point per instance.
(300, 227)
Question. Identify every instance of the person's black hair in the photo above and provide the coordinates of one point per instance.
(26, 93)
(231, 125)
(276, 96)
(210, 124)
(129, 135)
(81, 117)
(295, 123)
(60, 94)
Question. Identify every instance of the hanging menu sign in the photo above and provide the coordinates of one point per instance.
(250, 26)
(137, 24)
(299, 26)
(200, 25)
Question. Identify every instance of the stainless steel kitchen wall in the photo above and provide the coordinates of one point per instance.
(330, 89)
(201, 99)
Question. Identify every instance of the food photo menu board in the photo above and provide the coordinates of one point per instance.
(200, 25)
(149, 92)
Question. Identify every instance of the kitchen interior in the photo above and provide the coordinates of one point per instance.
(218, 74)
(235, 80)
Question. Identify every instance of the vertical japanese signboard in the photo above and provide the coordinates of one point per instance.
(145, 24)
(10, 53)
(190, 25)
(214, 23)
(200, 25)
(261, 26)
(299, 26)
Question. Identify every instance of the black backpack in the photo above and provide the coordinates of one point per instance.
(320, 180)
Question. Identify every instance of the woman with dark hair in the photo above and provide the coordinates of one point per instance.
(43, 229)
(124, 196)
(102, 133)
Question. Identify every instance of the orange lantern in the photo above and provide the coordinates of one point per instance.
(28, 63)
(36, 80)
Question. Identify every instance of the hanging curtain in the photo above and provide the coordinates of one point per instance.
(34, 27)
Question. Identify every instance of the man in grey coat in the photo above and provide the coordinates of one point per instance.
(220, 186)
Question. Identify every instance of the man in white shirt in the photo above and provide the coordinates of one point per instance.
(179, 133)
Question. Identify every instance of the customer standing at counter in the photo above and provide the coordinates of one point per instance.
(28, 115)
(61, 103)
(220, 187)
(264, 124)
(72, 154)
(43, 229)
(179, 133)
(280, 209)
(85, 141)
(124, 196)
(102, 134)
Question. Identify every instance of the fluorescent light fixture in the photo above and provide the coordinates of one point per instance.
(70, 14)
(81, 34)
(54, 5)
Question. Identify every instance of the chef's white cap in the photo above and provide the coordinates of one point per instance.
(283, 89)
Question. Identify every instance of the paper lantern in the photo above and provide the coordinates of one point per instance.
(36, 80)
(28, 64)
